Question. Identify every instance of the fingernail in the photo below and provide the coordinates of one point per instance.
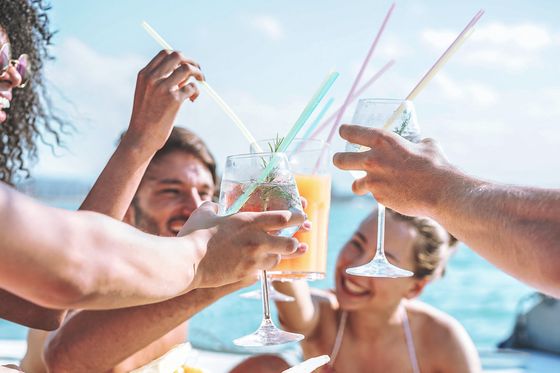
(302, 247)
(307, 225)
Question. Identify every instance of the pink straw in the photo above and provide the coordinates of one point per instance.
(361, 90)
(360, 73)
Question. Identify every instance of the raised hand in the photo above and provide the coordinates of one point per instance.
(161, 88)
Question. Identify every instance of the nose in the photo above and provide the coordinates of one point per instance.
(192, 201)
(12, 76)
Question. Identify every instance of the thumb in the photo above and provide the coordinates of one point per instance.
(208, 207)
(202, 218)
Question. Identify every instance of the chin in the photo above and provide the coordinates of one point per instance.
(347, 300)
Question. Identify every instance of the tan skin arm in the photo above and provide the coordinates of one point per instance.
(82, 259)
(23, 312)
(302, 315)
(87, 260)
(516, 228)
(100, 340)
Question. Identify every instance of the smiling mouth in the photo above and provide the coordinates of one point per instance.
(4, 103)
(352, 288)
(176, 225)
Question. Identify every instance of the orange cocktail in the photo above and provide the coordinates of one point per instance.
(309, 161)
(312, 265)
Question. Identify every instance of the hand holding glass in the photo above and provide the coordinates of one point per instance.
(376, 113)
(276, 192)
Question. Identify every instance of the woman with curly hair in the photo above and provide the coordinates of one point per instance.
(26, 114)
(53, 258)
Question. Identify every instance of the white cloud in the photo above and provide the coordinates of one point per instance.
(497, 45)
(269, 26)
(470, 92)
(528, 37)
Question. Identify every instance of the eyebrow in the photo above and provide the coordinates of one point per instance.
(361, 236)
(205, 186)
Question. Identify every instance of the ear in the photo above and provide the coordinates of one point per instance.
(129, 216)
(417, 287)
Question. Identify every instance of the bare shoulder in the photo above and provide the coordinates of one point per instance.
(327, 306)
(324, 297)
(444, 337)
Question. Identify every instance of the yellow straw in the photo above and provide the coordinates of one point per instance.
(221, 103)
(435, 69)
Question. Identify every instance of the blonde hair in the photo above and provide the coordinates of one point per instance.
(432, 246)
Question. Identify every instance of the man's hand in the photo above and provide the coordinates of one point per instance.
(161, 88)
(238, 245)
(404, 176)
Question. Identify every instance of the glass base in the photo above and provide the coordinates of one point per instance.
(379, 267)
(267, 335)
(285, 276)
(273, 294)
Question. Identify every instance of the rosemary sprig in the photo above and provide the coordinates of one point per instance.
(271, 191)
(402, 128)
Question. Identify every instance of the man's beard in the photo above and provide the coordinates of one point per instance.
(145, 222)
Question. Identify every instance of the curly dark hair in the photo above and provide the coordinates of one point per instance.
(31, 116)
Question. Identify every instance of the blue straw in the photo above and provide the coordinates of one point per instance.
(318, 118)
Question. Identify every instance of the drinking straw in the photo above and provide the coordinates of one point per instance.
(358, 93)
(306, 113)
(309, 365)
(457, 43)
(312, 126)
(221, 103)
(318, 118)
(360, 73)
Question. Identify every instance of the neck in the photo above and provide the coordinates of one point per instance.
(367, 323)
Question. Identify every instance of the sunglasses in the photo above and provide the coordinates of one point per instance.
(21, 64)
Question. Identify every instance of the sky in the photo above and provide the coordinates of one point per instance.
(494, 108)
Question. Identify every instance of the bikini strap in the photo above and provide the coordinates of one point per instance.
(338, 339)
(409, 341)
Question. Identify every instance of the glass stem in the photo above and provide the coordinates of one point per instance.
(266, 304)
(380, 252)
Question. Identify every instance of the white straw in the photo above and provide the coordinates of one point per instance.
(221, 103)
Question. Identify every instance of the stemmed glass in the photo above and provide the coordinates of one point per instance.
(376, 113)
(277, 191)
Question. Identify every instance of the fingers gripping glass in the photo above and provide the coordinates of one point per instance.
(21, 64)
(375, 113)
(275, 193)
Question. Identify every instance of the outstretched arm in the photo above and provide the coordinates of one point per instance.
(516, 228)
(100, 340)
(302, 315)
(69, 259)
(87, 260)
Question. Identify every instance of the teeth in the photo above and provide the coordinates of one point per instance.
(4, 103)
(355, 288)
